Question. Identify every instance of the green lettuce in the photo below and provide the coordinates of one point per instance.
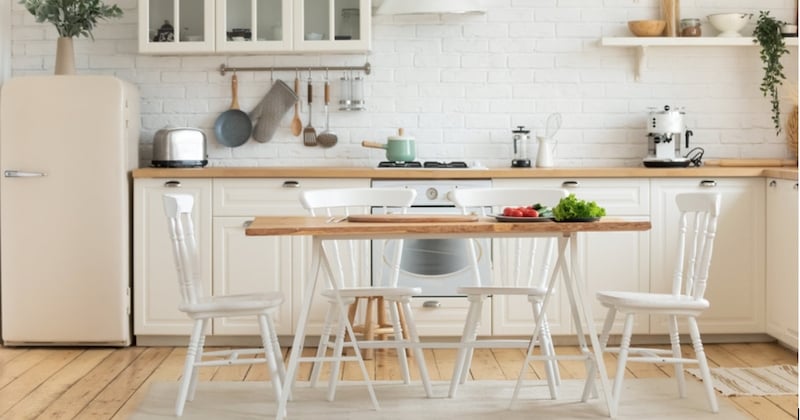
(571, 207)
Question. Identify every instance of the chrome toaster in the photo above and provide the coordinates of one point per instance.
(179, 148)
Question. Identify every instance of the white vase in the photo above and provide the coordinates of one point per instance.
(65, 56)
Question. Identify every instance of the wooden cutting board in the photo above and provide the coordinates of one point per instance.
(412, 218)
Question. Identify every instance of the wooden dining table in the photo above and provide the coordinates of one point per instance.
(321, 229)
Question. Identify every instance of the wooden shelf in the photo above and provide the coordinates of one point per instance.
(642, 43)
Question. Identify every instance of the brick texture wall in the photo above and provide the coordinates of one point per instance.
(460, 84)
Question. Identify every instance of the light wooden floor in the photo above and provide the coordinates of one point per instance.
(90, 383)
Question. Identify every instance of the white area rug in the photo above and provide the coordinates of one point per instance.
(759, 381)
(641, 398)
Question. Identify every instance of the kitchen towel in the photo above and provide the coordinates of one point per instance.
(268, 113)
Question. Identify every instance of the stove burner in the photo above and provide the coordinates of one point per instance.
(388, 164)
(428, 164)
(454, 164)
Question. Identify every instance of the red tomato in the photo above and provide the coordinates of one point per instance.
(529, 212)
(507, 211)
(515, 213)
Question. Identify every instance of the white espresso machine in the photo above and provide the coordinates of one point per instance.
(668, 139)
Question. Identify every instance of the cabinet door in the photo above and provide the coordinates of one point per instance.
(176, 26)
(608, 261)
(782, 273)
(286, 258)
(155, 282)
(736, 277)
(254, 25)
(247, 264)
(332, 25)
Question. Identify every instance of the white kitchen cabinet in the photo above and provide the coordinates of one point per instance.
(251, 26)
(281, 263)
(782, 275)
(191, 21)
(254, 26)
(608, 261)
(736, 278)
(332, 25)
(156, 294)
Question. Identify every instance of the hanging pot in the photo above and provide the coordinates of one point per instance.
(233, 127)
(398, 148)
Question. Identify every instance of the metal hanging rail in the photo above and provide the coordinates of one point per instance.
(366, 68)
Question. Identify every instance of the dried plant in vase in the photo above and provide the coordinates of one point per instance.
(768, 35)
(72, 18)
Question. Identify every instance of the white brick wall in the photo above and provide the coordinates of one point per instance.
(460, 84)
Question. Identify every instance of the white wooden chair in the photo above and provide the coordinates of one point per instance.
(350, 264)
(202, 308)
(520, 267)
(697, 230)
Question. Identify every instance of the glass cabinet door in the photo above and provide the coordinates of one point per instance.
(254, 25)
(175, 26)
(332, 25)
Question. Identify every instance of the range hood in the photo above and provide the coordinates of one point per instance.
(422, 7)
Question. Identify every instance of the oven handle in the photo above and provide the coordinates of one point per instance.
(431, 304)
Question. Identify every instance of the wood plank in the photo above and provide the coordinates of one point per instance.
(35, 402)
(81, 394)
(169, 370)
(761, 408)
(22, 385)
(108, 401)
(17, 366)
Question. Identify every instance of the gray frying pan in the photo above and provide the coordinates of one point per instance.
(233, 127)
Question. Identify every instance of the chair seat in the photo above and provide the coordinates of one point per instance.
(651, 301)
(389, 293)
(501, 290)
(245, 304)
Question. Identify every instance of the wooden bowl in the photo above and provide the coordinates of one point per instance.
(647, 27)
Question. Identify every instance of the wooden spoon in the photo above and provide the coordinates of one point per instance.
(297, 125)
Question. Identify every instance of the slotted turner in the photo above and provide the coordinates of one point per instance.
(309, 134)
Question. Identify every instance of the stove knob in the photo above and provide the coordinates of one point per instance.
(431, 193)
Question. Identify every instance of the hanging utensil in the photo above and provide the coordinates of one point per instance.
(327, 138)
(297, 125)
(309, 134)
(233, 127)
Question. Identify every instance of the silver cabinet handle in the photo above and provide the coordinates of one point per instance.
(570, 184)
(708, 183)
(773, 183)
(291, 184)
(431, 304)
(22, 174)
(172, 184)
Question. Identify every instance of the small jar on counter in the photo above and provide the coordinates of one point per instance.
(690, 27)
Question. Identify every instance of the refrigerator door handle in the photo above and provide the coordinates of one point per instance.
(18, 174)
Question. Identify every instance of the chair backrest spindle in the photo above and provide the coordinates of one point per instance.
(697, 231)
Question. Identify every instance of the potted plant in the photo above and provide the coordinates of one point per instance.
(72, 18)
(768, 35)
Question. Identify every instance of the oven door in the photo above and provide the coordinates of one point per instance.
(437, 266)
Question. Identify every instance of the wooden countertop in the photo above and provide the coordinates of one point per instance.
(423, 173)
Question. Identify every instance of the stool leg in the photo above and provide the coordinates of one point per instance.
(369, 332)
(404, 327)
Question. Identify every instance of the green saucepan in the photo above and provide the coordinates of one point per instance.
(398, 148)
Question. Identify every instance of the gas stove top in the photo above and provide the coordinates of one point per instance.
(427, 164)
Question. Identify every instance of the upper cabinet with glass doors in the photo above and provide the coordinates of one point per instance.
(176, 26)
(332, 25)
(254, 26)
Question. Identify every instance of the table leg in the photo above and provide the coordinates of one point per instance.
(585, 308)
(300, 334)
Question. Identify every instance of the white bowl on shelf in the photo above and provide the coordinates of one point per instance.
(729, 24)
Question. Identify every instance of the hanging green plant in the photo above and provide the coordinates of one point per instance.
(768, 35)
(72, 18)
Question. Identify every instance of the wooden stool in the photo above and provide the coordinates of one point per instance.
(372, 327)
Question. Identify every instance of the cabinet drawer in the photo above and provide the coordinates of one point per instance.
(619, 196)
(270, 196)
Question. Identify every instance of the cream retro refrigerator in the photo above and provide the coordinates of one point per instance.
(67, 145)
